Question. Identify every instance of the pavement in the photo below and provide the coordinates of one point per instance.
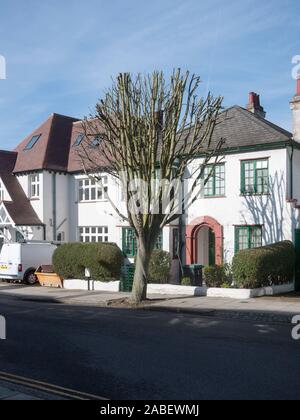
(267, 309)
(123, 354)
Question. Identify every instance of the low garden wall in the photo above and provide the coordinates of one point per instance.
(112, 286)
(168, 289)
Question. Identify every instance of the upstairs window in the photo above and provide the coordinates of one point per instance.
(90, 190)
(248, 237)
(34, 186)
(32, 142)
(215, 186)
(255, 177)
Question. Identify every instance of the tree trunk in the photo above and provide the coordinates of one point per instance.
(139, 292)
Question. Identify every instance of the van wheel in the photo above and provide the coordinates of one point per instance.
(30, 278)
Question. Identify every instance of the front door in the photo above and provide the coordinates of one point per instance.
(206, 245)
(212, 248)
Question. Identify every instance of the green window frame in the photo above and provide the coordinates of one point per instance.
(215, 176)
(247, 237)
(255, 177)
(129, 242)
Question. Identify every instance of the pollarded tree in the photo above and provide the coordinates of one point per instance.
(145, 133)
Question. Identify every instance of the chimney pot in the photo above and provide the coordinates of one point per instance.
(295, 107)
(251, 97)
(254, 105)
(298, 86)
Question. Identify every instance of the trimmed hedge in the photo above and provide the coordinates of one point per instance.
(105, 260)
(160, 267)
(217, 276)
(267, 266)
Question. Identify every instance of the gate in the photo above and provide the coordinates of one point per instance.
(127, 278)
(297, 272)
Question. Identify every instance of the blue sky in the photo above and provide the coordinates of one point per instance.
(61, 55)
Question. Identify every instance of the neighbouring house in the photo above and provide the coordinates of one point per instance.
(250, 200)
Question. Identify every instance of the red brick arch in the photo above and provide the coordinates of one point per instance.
(191, 238)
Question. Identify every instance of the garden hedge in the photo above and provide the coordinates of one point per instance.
(105, 260)
(267, 266)
(160, 267)
(217, 276)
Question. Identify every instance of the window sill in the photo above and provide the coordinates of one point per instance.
(92, 202)
(34, 199)
(255, 195)
(210, 197)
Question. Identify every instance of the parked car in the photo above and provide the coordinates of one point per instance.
(19, 261)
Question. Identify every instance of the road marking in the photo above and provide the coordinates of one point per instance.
(49, 388)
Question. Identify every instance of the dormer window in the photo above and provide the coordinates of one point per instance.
(96, 141)
(32, 142)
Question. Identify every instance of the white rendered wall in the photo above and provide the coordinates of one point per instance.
(272, 211)
(37, 204)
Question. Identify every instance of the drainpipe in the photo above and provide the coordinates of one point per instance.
(54, 204)
(181, 231)
(291, 156)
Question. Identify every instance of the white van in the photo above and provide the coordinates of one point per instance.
(19, 261)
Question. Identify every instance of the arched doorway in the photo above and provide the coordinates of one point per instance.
(204, 242)
(206, 246)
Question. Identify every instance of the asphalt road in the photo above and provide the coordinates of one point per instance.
(123, 354)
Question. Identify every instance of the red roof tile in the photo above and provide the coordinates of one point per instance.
(51, 150)
(20, 209)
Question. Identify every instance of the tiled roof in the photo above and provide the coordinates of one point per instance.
(54, 150)
(20, 209)
(75, 162)
(51, 150)
(240, 128)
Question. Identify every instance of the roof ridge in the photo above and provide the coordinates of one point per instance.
(9, 152)
(55, 114)
(49, 140)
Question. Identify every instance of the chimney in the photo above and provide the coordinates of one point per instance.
(254, 105)
(295, 107)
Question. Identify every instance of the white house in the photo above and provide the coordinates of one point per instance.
(251, 199)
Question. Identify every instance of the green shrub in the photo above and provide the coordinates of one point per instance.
(186, 281)
(105, 261)
(160, 267)
(266, 266)
(217, 276)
